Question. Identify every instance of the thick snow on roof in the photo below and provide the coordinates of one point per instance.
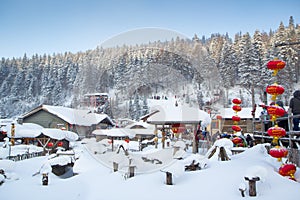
(115, 132)
(31, 130)
(74, 116)
(179, 114)
(25, 130)
(59, 134)
(140, 124)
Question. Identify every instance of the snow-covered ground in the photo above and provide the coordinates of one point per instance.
(95, 180)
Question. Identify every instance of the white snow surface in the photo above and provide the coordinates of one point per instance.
(31, 130)
(181, 113)
(76, 116)
(59, 134)
(95, 181)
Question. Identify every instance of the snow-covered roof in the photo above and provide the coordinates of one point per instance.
(114, 132)
(25, 130)
(97, 94)
(31, 130)
(59, 134)
(139, 124)
(73, 116)
(179, 114)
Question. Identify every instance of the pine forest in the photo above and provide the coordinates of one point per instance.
(199, 70)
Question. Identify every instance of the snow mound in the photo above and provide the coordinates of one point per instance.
(214, 151)
(7, 165)
(61, 160)
(257, 171)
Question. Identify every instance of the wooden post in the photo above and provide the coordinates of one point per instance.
(252, 185)
(175, 150)
(242, 192)
(115, 166)
(163, 134)
(223, 155)
(45, 179)
(195, 142)
(131, 171)
(12, 139)
(112, 143)
(155, 138)
(169, 178)
(290, 122)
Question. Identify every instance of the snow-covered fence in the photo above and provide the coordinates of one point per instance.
(24, 156)
(20, 152)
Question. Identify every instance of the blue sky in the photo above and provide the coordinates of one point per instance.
(57, 26)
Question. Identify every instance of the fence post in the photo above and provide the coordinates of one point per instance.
(169, 178)
(115, 166)
(131, 171)
(252, 185)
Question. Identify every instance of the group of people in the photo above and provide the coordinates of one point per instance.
(295, 110)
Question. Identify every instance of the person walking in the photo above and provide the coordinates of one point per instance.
(295, 107)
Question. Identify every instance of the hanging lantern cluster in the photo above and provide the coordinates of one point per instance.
(237, 108)
(276, 111)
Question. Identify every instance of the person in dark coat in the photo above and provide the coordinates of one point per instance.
(283, 123)
(249, 140)
(295, 107)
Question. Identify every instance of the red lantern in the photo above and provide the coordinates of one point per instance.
(60, 144)
(276, 131)
(178, 128)
(275, 90)
(278, 152)
(237, 140)
(288, 170)
(275, 65)
(219, 117)
(236, 108)
(236, 128)
(236, 101)
(127, 140)
(50, 144)
(275, 111)
(236, 118)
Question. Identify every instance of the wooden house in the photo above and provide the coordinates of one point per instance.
(82, 122)
(223, 122)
